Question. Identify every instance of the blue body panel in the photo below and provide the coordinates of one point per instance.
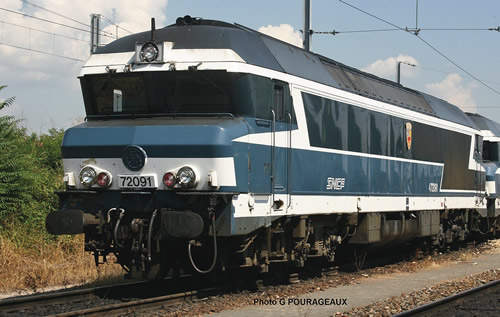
(363, 175)
(309, 169)
(207, 137)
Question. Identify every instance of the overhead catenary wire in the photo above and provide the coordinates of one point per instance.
(456, 65)
(397, 27)
(53, 22)
(373, 16)
(47, 53)
(415, 32)
(335, 32)
(42, 31)
(53, 12)
(460, 29)
(29, 48)
(69, 18)
(449, 73)
(79, 22)
(113, 23)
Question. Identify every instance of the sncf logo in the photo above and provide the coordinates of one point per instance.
(433, 187)
(333, 183)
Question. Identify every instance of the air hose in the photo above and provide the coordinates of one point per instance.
(212, 215)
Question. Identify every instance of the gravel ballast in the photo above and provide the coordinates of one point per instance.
(266, 301)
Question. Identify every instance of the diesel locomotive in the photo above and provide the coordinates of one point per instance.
(210, 146)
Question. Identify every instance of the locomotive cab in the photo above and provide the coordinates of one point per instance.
(161, 156)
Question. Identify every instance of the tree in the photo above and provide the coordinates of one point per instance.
(30, 172)
(14, 176)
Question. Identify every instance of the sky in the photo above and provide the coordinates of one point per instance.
(455, 54)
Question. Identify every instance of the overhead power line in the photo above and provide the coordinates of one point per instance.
(47, 53)
(79, 22)
(449, 73)
(42, 31)
(58, 14)
(113, 23)
(30, 48)
(335, 32)
(53, 22)
(396, 27)
(458, 66)
(373, 16)
(415, 32)
(462, 29)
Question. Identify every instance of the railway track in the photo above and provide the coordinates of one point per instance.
(479, 301)
(128, 298)
(142, 296)
(26, 304)
(132, 306)
(109, 300)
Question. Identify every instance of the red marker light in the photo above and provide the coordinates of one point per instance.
(169, 179)
(103, 179)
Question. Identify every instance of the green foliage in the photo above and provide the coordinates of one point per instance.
(13, 178)
(30, 172)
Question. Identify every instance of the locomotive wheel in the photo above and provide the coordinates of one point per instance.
(279, 271)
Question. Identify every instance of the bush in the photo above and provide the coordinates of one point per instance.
(30, 172)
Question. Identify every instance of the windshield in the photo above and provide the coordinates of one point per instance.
(160, 92)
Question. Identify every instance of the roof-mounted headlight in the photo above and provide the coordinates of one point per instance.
(149, 52)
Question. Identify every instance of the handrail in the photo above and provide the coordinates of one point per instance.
(289, 152)
(273, 154)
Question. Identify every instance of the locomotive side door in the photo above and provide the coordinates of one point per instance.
(281, 146)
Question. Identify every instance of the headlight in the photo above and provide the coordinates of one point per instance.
(149, 52)
(87, 176)
(186, 177)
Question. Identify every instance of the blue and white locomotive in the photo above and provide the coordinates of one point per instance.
(210, 145)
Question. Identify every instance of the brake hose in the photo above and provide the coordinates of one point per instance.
(215, 250)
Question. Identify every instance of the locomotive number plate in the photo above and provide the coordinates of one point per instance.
(137, 181)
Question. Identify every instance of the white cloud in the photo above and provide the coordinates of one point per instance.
(35, 76)
(387, 68)
(135, 16)
(284, 32)
(455, 92)
(47, 86)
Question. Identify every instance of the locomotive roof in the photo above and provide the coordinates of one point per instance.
(485, 123)
(261, 50)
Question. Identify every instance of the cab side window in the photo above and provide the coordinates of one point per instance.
(279, 102)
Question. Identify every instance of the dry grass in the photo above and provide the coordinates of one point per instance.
(45, 266)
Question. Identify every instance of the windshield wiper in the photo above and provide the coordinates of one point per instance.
(111, 72)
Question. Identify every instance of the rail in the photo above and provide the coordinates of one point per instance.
(432, 308)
